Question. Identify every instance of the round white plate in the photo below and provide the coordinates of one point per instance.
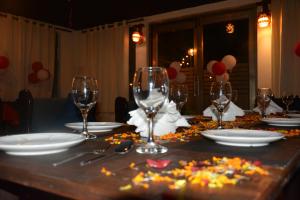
(189, 116)
(95, 126)
(282, 121)
(242, 137)
(39, 143)
(294, 115)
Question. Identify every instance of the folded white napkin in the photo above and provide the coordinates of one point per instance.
(229, 114)
(166, 120)
(272, 108)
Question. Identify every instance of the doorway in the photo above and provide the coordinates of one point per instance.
(210, 40)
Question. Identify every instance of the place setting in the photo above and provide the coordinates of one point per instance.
(269, 110)
(223, 109)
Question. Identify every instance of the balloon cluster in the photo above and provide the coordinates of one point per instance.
(174, 72)
(221, 68)
(4, 62)
(39, 73)
(297, 49)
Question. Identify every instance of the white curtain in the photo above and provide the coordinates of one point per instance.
(285, 33)
(23, 42)
(102, 53)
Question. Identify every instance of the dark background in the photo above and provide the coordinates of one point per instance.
(80, 14)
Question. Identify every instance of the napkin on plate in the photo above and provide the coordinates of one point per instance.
(166, 120)
(272, 108)
(228, 115)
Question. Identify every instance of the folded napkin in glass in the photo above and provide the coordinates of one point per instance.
(272, 108)
(167, 120)
(228, 115)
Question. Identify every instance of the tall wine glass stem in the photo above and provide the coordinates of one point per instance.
(84, 114)
(150, 128)
(220, 120)
(85, 132)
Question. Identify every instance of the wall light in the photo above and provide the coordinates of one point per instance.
(137, 35)
(264, 17)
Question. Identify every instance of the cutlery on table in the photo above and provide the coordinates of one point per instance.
(122, 148)
(104, 147)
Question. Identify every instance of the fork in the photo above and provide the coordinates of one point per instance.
(104, 146)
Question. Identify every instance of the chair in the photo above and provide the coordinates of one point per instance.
(122, 109)
(51, 114)
(16, 116)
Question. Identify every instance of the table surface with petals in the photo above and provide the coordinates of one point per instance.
(254, 173)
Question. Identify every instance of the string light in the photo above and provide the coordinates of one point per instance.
(230, 28)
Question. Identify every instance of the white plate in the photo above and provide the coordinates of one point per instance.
(38, 143)
(294, 115)
(189, 116)
(282, 121)
(242, 137)
(95, 126)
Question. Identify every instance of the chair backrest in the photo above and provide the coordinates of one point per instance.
(121, 109)
(51, 114)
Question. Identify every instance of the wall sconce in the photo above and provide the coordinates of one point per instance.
(264, 17)
(137, 35)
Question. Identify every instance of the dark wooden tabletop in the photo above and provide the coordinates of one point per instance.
(70, 180)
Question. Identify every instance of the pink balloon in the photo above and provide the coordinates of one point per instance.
(43, 74)
(209, 66)
(181, 77)
(229, 62)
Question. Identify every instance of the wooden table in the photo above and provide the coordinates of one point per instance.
(70, 180)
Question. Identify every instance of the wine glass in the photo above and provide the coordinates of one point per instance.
(85, 92)
(263, 99)
(220, 95)
(150, 90)
(179, 94)
(287, 99)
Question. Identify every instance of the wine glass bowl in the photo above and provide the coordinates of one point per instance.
(287, 100)
(85, 93)
(263, 100)
(179, 94)
(150, 90)
(220, 95)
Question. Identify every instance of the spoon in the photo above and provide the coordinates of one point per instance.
(122, 148)
(96, 151)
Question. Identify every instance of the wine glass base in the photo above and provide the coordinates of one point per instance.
(151, 148)
(89, 136)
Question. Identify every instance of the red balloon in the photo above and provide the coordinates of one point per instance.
(32, 78)
(297, 49)
(36, 66)
(218, 68)
(172, 73)
(4, 62)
